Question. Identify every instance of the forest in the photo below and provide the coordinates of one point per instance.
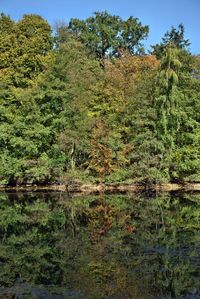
(84, 101)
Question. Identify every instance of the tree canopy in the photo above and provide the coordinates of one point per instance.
(105, 35)
(65, 117)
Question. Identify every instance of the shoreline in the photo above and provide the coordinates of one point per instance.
(104, 187)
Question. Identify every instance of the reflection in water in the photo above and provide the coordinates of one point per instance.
(53, 246)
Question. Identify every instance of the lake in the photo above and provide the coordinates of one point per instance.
(53, 246)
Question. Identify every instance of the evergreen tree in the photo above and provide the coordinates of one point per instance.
(175, 37)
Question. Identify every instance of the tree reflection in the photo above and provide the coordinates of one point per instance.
(99, 246)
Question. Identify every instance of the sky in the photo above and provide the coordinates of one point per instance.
(160, 15)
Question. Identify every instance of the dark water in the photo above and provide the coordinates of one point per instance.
(54, 246)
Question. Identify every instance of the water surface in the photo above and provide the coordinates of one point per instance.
(107, 246)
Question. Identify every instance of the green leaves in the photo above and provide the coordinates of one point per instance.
(105, 246)
(24, 47)
(175, 38)
(52, 97)
(106, 35)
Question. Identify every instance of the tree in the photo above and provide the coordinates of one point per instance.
(134, 77)
(63, 94)
(101, 155)
(62, 113)
(197, 67)
(174, 37)
(167, 102)
(167, 105)
(7, 47)
(34, 43)
(177, 126)
(104, 34)
(25, 48)
(6, 23)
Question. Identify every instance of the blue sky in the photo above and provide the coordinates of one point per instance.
(160, 15)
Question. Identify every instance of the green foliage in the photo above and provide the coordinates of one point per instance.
(99, 246)
(175, 37)
(63, 115)
(24, 48)
(101, 156)
(169, 96)
(105, 34)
